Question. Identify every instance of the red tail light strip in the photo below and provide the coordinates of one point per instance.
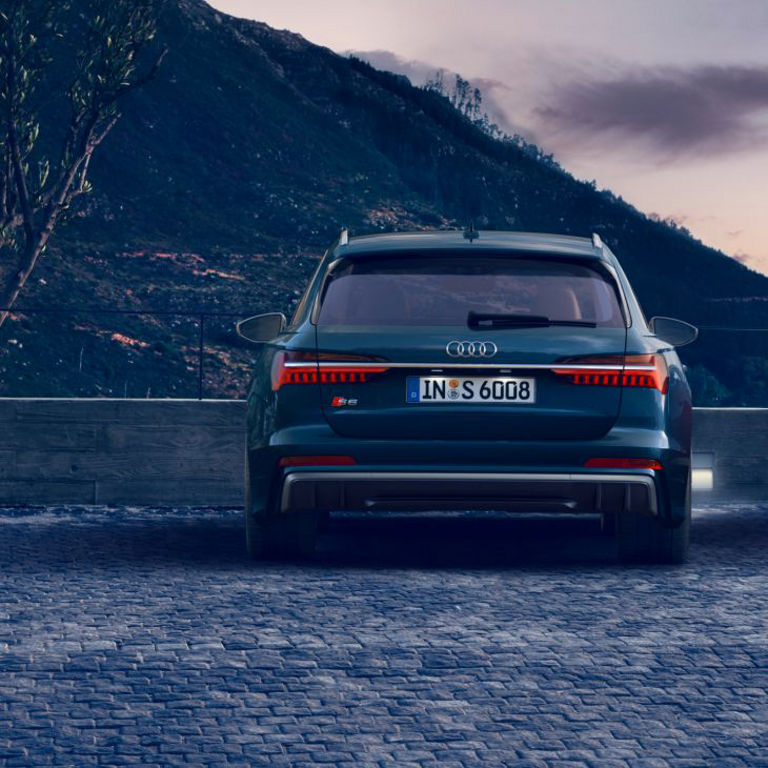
(301, 367)
(648, 371)
(609, 463)
(440, 365)
(315, 461)
(340, 364)
(311, 375)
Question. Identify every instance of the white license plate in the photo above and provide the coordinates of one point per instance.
(462, 389)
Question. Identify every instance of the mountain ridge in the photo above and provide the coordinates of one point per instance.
(232, 171)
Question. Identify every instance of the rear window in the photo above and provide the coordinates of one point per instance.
(443, 291)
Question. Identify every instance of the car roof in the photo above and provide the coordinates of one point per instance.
(459, 241)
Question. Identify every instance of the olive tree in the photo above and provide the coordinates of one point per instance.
(64, 66)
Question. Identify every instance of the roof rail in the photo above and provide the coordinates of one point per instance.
(596, 241)
(344, 236)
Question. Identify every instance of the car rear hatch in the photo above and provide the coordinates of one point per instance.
(474, 347)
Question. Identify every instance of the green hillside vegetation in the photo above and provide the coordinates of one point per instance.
(232, 171)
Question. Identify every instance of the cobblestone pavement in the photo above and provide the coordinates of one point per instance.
(134, 636)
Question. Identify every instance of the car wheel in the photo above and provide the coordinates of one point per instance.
(267, 536)
(291, 536)
(646, 539)
(254, 543)
(323, 521)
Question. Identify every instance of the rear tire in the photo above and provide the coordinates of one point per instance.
(647, 539)
(293, 535)
(266, 536)
(323, 521)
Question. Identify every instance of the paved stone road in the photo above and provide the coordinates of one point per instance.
(144, 637)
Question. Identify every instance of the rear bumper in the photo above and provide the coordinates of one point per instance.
(448, 491)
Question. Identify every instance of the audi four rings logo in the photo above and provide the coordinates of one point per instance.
(471, 348)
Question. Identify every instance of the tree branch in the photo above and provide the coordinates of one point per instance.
(15, 151)
(145, 78)
(106, 70)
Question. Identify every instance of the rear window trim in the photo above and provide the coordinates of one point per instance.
(306, 303)
(593, 262)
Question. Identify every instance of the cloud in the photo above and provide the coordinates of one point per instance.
(675, 111)
(590, 106)
(418, 72)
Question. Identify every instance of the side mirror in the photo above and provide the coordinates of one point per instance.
(260, 328)
(678, 333)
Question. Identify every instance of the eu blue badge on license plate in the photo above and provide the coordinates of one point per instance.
(412, 387)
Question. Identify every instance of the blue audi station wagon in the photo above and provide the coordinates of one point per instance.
(450, 370)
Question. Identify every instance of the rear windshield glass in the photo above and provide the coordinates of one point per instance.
(444, 290)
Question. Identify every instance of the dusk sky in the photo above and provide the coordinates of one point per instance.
(665, 102)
